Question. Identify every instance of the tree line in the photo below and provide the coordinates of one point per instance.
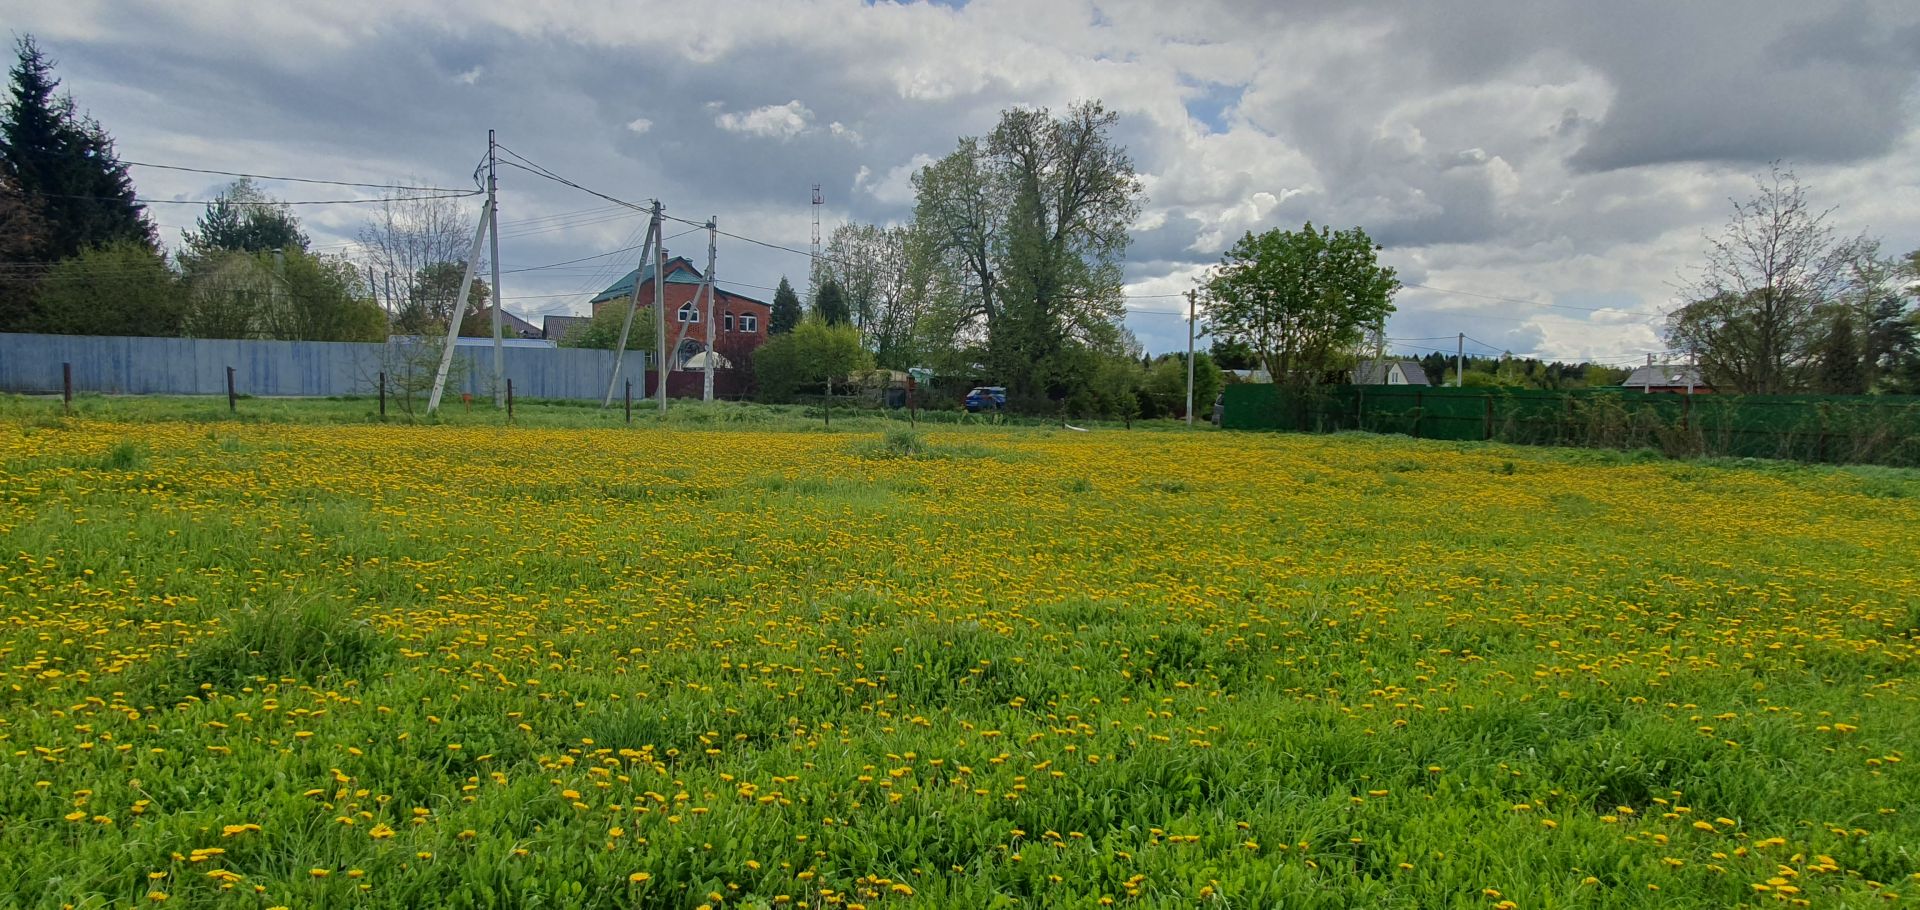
(79, 254)
(1782, 303)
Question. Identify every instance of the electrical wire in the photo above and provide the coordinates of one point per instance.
(371, 186)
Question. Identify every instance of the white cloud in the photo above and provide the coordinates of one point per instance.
(896, 186)
(844, 132)
(1456, 136)
(775, 121)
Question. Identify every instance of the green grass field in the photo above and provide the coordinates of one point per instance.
(305, 660)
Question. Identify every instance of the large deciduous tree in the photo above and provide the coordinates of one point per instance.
(1033, 220)
(886, 292)
(1757, 310)
(1300, 299)
(415, 236)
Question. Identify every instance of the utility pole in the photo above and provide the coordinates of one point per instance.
(459, 311)
(499, 303)
(1459, 359)
(706, 383)
(660, 303)
(1190, 296)
(626, 325)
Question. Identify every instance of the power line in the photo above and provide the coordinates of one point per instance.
(1558, 306)
(372, 186)
(146, 201)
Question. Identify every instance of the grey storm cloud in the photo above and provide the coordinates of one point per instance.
(1531, 150)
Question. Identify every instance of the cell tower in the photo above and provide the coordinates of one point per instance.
(814, 264)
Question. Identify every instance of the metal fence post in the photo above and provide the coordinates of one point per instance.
(509, 401)
(629, 401)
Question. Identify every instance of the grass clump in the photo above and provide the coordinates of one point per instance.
(124, 456)
(307, 639)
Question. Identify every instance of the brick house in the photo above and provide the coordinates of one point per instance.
(742, 320)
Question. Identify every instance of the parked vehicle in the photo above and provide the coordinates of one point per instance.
(1219, 408)
(986, 398)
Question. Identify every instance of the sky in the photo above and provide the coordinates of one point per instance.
(1541, 173)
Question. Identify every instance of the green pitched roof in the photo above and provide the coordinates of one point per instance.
(679, 271)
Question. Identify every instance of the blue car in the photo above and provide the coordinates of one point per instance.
(987, 398)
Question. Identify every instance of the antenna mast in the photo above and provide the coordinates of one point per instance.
(813, 265)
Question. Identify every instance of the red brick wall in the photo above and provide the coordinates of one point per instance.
(678, 295)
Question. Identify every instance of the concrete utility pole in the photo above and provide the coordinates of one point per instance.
(1459, 359)
(459, 309)
(706, 383)
(633, 303)
(1190, 296)
(499, 303)
(660, 303)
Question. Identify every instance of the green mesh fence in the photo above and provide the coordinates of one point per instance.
(1877, 429)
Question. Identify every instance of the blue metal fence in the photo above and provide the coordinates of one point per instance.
(198, 366)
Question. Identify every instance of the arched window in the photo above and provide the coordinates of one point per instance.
(729, 322)
(689, 312)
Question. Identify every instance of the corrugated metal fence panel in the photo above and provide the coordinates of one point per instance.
(198, 366)
(1883, 429)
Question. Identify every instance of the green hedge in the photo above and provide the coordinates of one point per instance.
(1878, 429)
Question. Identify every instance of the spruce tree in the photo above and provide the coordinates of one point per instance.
(1839, 361)
(244, 219)
(64, 164)
(786, 309)
(831, 304)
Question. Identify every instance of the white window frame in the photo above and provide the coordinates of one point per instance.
(749, 322)
(729, 322)
(688, 312)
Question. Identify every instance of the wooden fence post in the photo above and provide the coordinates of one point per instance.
(629, 401)
(383, 394)
(509, 401)
(1822, 454)
(66, 386)
(232, 407)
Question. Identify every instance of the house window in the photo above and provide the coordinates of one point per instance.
(749, 322)
(729, 322)
(689, 313)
